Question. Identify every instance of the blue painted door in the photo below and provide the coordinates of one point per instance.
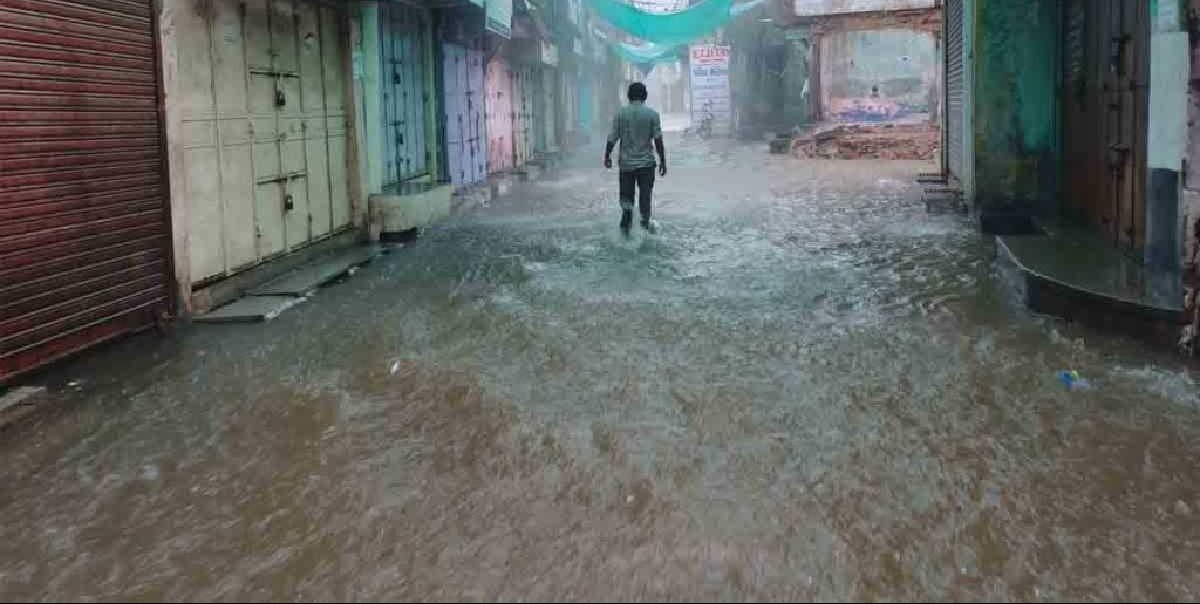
(462, 76)
(404, 42)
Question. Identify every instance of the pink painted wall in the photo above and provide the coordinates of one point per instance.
(498, 109)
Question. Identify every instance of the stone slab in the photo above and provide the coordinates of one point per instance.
(323, 270)
(251, 309)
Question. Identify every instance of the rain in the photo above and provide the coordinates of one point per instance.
(805, 385)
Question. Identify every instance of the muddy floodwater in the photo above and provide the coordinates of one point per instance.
(804, 387)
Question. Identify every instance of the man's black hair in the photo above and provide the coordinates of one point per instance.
(637, 92)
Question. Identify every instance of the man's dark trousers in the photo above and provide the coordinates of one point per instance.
(644, 179)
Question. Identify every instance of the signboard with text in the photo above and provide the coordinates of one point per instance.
(711, 98)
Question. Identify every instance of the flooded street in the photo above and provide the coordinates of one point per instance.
(804, 387)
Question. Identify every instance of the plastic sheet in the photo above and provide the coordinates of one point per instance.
(667, 29)
(676, 28)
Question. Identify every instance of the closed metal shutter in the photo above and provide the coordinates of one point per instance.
(83, 203)
(955, 88)
(500, 112)
(403, 34)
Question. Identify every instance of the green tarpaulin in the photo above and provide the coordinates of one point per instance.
(668, 29)
(648, 53)
(666, 33)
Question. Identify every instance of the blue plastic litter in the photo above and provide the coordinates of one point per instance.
(1072, 381)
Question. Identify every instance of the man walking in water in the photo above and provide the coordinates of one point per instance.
(637, 127)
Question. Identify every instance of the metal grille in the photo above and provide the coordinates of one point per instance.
(83, 203)
(955, 89)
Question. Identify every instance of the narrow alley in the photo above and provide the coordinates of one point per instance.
(804, 387)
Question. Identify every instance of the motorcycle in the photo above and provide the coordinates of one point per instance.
(704, 129)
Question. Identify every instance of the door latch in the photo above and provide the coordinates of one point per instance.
(1116, 53)
(289, 203)
(280, 98)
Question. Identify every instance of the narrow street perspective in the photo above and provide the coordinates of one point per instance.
(352, 316)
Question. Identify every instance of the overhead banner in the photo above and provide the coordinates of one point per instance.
(660, 6)
(711, 98)
(820, 8)
(499, 17)
(691, 23)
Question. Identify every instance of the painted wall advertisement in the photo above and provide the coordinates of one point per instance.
(499, 17)
(710, 87)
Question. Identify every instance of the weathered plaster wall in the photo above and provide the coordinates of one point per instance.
(796, 84)
(169, 63)
(811, 8)
(920, 19)
(892, 70)
(1016, 104)
(1166, 140)
(368, 79)
(1190, 211)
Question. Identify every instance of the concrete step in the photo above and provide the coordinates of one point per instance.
(251, 309)
(308, 278)
(1080, 277)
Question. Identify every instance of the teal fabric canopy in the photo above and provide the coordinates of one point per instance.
(648, 53)
(668, 29)
(645, 54)
(739, 9)
(649, 26)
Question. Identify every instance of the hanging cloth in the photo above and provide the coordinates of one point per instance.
(673, 28)
(647, 54)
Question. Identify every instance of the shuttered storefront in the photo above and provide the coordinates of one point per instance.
(263, 132)
(955, 89)
(498, 111)
(524, 90)
(406, 96)
(463, 92)
(84, 228)
(549, 82)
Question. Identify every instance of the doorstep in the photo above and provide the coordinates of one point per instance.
(941, 196)
(410, 207)
(470, 197)
(236, 286)
(1073, 274)
(546, 160)
(500, 183)
(269, 300)
(529, 172)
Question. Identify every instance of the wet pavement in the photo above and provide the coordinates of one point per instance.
(803, 388)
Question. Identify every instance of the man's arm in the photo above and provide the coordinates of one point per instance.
(613, 136)
(662, 156)
(658, 146)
